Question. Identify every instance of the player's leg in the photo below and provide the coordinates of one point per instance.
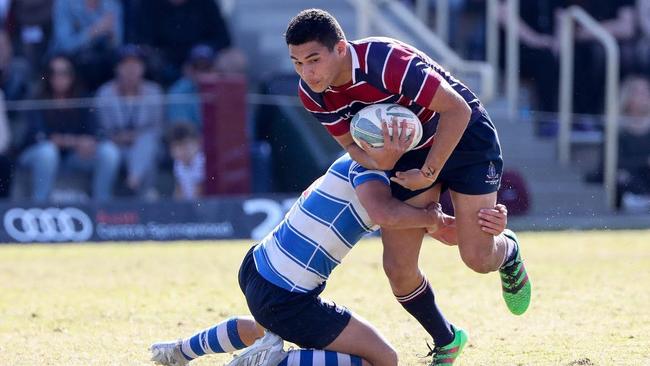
(308, 321)
(485, 253)
(361, 339)
(411, 288)
(228, 336)
(357, 344)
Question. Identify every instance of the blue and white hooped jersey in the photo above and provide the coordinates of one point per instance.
(319, 229)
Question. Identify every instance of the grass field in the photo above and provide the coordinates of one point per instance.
(104, 304)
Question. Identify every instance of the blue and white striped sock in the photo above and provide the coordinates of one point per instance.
(221, 338)
(310, 357)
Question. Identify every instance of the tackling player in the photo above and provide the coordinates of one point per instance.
(282, 277)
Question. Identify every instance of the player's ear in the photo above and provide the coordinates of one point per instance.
(341, 48)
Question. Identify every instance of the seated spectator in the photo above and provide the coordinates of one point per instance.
(201, 62)
(643, 45)
(31, 29)
(618, 19)
(66, 136)
(173, 27)
(189, 161)
(634, 142)
(538, 48)
(91, 31)
(5, 161)
(130, 112)
(14, 71)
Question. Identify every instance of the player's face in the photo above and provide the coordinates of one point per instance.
(316, 64)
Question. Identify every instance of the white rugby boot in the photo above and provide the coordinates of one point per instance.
(266, 351)
(168, 354)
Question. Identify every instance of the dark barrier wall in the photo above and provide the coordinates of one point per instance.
(224, 218)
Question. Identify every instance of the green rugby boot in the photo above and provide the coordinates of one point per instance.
(448, 354)
(514, 280)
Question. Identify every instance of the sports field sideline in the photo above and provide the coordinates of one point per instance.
(104, 304)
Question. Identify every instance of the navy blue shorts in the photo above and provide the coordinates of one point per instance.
(474, 167)
(304, 319)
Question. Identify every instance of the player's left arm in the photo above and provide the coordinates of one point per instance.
(386, 211)
(454, 117)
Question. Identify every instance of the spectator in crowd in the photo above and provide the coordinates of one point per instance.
(538, 48)
(200, 63)
(91, 31)
(130, 112)
(643, 46)
(66, 135)
(132, 18)
(4, 11)
(14, 71)
(189, 161)
(173, 27)
(618, 19)
(634, 142)
(5, 161)
(31, 29)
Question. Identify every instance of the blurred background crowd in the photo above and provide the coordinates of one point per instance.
(114, 93)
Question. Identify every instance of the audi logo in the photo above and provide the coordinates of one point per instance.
(48, 224)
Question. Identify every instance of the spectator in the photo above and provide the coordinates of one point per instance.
(67, 136)
(5, 161)
(643, 46)
(634, 142)
(130, 112)
(4, 10)
(173, 27)
(189, 161)
(14, 71)
(200, 63)
(538, 48)
(132, 10)
(31, 29)
(91, 31)
(618, 19)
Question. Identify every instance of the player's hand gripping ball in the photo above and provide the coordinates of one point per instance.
(366, 125)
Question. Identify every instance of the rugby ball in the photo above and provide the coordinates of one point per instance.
(366, 124)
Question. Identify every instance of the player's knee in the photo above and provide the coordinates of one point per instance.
(477, 262)
(387, 357)
(399, 272)
(391, 357)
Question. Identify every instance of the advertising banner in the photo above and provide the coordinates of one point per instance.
(218, 218)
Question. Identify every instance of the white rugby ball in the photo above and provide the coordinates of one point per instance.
(366, 124)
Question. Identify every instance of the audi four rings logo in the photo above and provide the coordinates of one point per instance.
(48, 224)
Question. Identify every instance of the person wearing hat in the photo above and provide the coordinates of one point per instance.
(130, 112)
(184, 102)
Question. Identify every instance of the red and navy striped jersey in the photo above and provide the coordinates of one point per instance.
(384, 71)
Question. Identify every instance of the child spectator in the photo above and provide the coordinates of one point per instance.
(189, 161)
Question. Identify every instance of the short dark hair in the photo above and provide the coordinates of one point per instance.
(181, 132)
(314, 25)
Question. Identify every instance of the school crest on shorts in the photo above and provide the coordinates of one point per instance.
(492, 175)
